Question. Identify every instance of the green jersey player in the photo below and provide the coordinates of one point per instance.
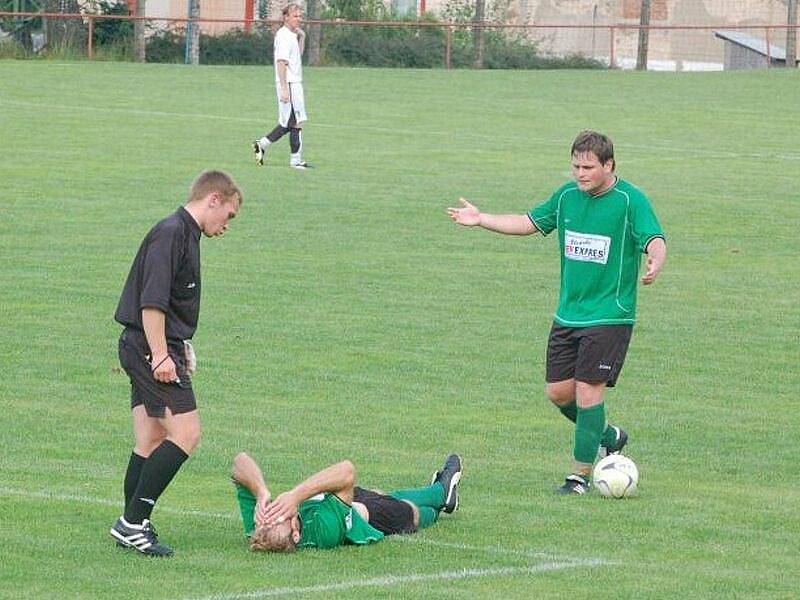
(328, 510)
(603, 225)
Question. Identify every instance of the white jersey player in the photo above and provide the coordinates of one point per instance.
(289, 45)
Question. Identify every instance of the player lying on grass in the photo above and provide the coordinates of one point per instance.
(328, 510)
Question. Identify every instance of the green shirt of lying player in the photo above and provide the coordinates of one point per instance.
(328, 510)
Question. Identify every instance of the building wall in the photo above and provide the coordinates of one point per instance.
(680, 49)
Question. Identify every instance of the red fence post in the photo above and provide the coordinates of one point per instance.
(248, 15)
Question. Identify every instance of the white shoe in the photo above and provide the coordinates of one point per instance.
(301, 165)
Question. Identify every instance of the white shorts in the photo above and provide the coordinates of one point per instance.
(297, 102)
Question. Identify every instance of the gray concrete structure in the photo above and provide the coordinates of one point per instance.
(743, 51)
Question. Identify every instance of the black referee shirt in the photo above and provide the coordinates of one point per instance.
(166, 275)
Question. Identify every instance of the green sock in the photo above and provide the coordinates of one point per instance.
(609, 436)
(589, 427)
(427, 516)
(247, 506)
(569, 410)
(431, 496)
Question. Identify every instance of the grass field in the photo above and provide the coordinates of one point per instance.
(345, 316)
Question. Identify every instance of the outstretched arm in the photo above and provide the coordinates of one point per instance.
(469, 216)
(247, 472)
(338, 479)
(656, 256)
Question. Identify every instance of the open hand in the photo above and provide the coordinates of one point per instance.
(467, 214)
(653, 268)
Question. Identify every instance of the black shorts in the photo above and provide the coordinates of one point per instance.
(156, 396)
(588, 354)
(386, 514)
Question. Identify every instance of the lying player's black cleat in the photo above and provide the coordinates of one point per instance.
(449, 477)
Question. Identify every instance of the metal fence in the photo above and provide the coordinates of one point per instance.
(415, 43)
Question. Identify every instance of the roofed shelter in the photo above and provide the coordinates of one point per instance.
(743, 51)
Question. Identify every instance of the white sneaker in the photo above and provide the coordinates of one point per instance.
(301, 165)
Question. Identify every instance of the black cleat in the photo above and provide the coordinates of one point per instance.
(618, 444)
(575, 484)
(142, 538)
(258, 153)
(449, 477)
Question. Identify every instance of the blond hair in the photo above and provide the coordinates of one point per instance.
(289, 8)
(212, 181)
(271, 539)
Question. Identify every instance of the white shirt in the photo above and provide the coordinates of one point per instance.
(288, 48)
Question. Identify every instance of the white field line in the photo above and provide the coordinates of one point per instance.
(395, 580)
(648, 148)
(487, 549)
(7, 491)
(44, 495)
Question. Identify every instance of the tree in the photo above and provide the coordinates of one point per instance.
(193, 34)
(314, 33)
(477, 32)
(791, 35)
(138, 30)
(64, 33)
(644, 36)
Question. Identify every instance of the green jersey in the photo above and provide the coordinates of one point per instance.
(327, 522)
(601, 239)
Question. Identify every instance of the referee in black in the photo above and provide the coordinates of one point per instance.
(159, 308)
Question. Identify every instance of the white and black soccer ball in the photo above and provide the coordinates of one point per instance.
(616, 476)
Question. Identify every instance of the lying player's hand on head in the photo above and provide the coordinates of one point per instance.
(283, 508)
(261, 511)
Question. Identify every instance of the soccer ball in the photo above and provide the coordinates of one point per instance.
(616, 476)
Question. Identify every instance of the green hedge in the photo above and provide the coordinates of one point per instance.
(352, 45)
(235, 47)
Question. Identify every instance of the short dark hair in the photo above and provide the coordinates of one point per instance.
(598, 144)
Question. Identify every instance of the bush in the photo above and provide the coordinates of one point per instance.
(112, 32)
(234, 47)
(353, 45)
(10, 48)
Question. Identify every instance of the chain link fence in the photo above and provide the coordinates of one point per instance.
(109, 35)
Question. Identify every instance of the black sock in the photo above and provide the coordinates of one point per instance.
(135, 465)
(277, 133)
(294, 140)
(158, 470)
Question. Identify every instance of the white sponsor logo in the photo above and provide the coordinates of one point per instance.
(191, 285)
(348, 520)
(606, 367)
(586, 247)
